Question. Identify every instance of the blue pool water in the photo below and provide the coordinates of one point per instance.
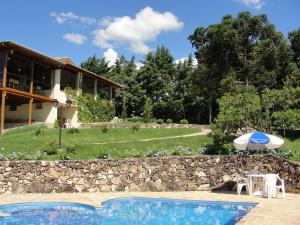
(127, 211)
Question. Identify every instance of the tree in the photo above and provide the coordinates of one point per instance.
(289, 119)
(157, 78)
(248, 47)
(148, 111)
(294, 38)
(95, 65)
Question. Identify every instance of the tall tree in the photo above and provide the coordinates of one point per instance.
(248, 47)
(157, 77)
(96, 65)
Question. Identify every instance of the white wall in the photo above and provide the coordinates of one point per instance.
(46, 115)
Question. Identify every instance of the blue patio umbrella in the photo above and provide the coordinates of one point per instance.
(259, 138)
(257, 141)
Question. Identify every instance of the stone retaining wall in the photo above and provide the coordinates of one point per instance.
(147, 174)
(142, 125)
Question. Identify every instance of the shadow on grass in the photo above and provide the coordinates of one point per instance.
(292, 135)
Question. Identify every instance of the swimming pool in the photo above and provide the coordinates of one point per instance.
(125, 211)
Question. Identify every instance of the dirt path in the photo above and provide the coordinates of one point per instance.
(201, 133)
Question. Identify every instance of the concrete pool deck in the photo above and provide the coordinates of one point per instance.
(275, 211)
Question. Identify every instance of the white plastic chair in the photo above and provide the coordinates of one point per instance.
(271, 187)
(242, 182)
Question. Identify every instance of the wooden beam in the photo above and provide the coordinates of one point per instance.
(4, 69)
(31, 77)
(27, 94)
(30, 111)
(2, 112)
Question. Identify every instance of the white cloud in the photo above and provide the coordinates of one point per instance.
(75, 38)
(257, 4)
(110, 56)
(181, 60)
(64, 17)
(146, 26)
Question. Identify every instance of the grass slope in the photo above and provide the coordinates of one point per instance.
(23, 140)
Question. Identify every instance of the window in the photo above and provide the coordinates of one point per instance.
(42, 77)
(1, 65)
(39, 105)
(68, 79)
(13, 108)
(88, 84)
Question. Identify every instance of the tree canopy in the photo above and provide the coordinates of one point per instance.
(247, 76)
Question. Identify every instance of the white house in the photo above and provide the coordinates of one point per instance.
(31, 82)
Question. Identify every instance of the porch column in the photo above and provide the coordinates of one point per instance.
(30, 111)
(110, 93)
(2, 112)
(95, 88)
(31, 91)
(2, 115)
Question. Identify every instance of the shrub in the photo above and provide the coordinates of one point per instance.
(64, 155)
(39, 131)
(70, 149)
(156, 153)
(50, 147)
(169, 121)
(184, 121)
(148, 111)
(104, 128)
(73, 131)
(134, 128)
(160, 121)
(103, 154)
(181, 150)
(91, 110)
(135, 119)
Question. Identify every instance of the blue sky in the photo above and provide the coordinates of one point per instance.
(78, 29)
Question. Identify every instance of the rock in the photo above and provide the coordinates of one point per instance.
(226, 178)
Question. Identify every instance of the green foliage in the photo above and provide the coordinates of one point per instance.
(70, 149)
(103, 154)
(39, 131)
(104, 128)
(56, 123)
(148, 111)
(159, 121)
(169, 121)
(95, 65)
(50, 147)
(134, 128)
(135, 119)
(91, 110)
(72, 130)
(63, 155)
(124, 109)
(289, 119)
(184, 121)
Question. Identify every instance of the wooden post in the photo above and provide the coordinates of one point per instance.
(30, 111)
(31, 91)
(110, 93)
(4, 76)
(31, 77)
(95, 88)
(2, 112)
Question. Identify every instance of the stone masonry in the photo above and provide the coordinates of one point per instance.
(145, 174)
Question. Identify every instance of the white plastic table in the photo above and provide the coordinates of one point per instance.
(250, 181)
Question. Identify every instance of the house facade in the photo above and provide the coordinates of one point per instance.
(31, 83)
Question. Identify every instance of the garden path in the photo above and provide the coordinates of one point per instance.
(203, 132)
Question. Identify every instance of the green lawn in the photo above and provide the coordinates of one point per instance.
(88, 141)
